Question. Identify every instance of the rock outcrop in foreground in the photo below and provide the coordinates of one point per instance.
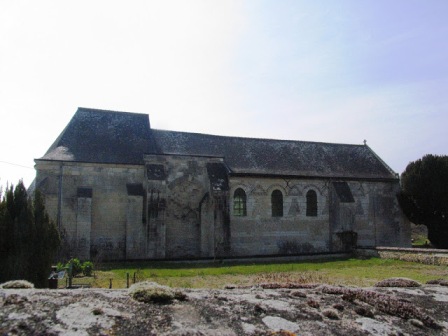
(270, 309)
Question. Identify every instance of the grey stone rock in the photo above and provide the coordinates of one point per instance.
(247, 311)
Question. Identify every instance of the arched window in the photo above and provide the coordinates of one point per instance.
(277, 203)
(239, 203)
(311, 203)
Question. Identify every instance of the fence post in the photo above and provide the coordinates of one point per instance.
(110, 283)
(127, 280)
(134, 277)
(70, 275)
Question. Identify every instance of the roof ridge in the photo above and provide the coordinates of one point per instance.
(89, 109)
(261, 139)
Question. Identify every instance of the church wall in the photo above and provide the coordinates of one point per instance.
(351, 217)
(259, 233)
(188, 214)
(83, 227)
(136, 246)
(108, 204)
(179, 215)
(47, 177)
(373, 218)
(392, 227)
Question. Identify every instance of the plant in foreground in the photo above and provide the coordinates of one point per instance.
(16, 284)
(152, 292)
(87, 268)
(383, 302)
(398, 282)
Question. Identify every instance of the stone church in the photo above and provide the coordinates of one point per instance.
(121, 190)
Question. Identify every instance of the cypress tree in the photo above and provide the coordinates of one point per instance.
(424, 196)
(45, 241)
(29, 239)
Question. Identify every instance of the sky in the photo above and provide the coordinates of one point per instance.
(340, 71)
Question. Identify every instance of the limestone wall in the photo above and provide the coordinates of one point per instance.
(106, 209)
(187, 220)
(373, 217)
(259, 233)
(391, 227)
(169, 208)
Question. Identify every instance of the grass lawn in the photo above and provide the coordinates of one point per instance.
(214, 275)
(419, 234)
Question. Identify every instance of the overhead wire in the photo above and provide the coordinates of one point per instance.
(16, 164)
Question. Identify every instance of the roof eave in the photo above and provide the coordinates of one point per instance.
(90, 162)
(317, 177)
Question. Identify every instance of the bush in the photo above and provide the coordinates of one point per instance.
(76, 266)
(87, 268)
(60, 267)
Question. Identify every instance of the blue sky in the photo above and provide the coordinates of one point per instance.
(331, 71)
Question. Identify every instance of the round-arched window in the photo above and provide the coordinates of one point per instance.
(277, 203)
(311, 203)
(239, 202)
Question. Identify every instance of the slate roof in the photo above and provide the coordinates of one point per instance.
(249, 156)
(103, 137)
(100, 136)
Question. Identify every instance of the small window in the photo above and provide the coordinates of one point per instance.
(311, 203)
(277, 203)
(239, 202)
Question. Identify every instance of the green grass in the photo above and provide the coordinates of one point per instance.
(419, 234)
(214, 275)
(421, 241)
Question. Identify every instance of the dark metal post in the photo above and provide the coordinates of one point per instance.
(127, 280)
(70, 275)
(110, 283)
